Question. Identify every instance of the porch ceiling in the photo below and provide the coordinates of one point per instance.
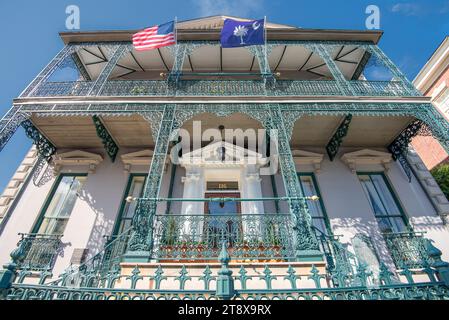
(233, 121)
(316, 131)
(135, 132)
(80, 132)
(291, 61)
(374, 131)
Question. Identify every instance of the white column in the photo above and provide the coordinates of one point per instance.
(251, 189)
(193, 188)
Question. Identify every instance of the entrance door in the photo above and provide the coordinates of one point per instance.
(222, 219)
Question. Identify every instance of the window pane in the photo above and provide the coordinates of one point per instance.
(310, 190)
(319, 224)
(61, 205)
(373, 197)
(385, 195)
(135, 191)
(315, 207)
(382, 202)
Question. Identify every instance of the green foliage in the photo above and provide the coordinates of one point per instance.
(441, 175)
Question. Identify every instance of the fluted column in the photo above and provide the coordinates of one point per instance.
(193, 189)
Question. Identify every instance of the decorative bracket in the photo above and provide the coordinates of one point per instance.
(103, 133)
(336, 140)
(44, 147)
(399, 147)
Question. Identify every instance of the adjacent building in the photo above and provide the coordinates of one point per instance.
(324, 201)
(433, 82)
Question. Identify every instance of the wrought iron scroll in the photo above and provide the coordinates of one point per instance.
(109, 144)
(44, 146)
(337, 139)
(399, 147)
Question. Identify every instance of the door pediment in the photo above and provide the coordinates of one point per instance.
(222, 154)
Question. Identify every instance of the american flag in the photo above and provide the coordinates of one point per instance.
(155, 37)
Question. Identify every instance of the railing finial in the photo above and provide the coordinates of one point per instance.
(225, 281)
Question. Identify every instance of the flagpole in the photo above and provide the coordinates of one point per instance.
(265, 38)
(176, 45)
(176, 31)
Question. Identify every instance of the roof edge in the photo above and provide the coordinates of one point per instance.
(423, 80)
(198, 34)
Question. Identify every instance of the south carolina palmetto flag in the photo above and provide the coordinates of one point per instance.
(162, 35)
(242, 33)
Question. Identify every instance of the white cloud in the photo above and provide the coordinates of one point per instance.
(241, 8)
(408, 9)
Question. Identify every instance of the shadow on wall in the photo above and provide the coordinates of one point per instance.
(359, 226)
(101, 227)
(429, 223)
(370, 228)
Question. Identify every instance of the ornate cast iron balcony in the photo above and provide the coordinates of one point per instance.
(39, 251)
(409, 250)
(199, 237)
(222, 88)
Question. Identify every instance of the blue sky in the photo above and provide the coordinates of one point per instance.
(29, 33)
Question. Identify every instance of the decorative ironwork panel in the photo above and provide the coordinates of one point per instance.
(109, 144)
(338, 257)
(408, 250)
(73, 88)
(337, 139)
(200, 237)
(238, 88)
(39, 251)
(306, 87)
(107, 70)
(44, 147)
(379, 88)
(305, 240)
(384, 59)
(9, 124)
(259, 112)
(46, 72)
(325, 52)
(142, 235)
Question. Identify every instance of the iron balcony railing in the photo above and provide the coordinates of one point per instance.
(38, 251)
(223, 88)
(262, 237)
(184, 282)
(409, 250)
(338, 257)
